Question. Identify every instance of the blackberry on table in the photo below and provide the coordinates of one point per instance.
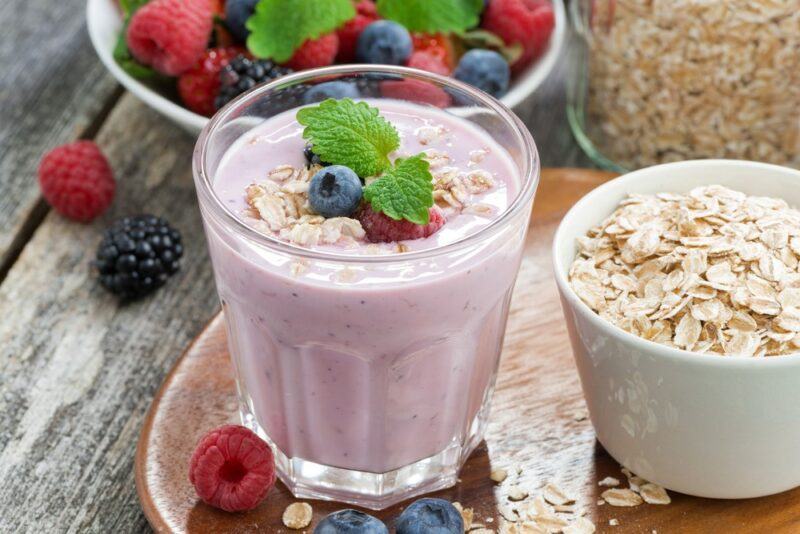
(243, 73)
(137, 255)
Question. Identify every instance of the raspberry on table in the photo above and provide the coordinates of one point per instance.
(137, 255)
(170, 35)
(314, 53)
(232, 469)
(528, 22)
(366, 13)
(77, 181)
(381, 228)
(199, 87)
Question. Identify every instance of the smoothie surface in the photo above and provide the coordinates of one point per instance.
(475, 176)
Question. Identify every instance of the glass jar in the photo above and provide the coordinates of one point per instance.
(370, 376)
(666, 80)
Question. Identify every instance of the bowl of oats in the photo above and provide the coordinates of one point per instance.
(680, 286)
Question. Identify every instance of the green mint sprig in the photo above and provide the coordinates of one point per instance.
(433, 16)
(403, 192)
(344, 132)
(279, 27)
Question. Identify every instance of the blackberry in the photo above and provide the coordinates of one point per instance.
(243, 73)
(137, 255)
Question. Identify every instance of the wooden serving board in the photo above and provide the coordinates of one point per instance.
(534, 427)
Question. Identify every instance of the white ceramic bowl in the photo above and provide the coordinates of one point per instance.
(104, 22)
(711, 426)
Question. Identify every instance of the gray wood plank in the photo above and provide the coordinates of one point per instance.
(51, 88)
(79, 370)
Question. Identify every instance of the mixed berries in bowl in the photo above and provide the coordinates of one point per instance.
(188, 58)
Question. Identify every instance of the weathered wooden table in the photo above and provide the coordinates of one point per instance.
(78, 371)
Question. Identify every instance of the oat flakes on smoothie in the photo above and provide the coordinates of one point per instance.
(711, 271)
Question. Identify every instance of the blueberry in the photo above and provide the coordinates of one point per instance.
(335, 191)
(384, 42)
(350, 522)
(236, 14)
(337, 89)
(430, 516)
(485, 69)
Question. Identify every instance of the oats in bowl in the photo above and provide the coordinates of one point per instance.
(712, 271)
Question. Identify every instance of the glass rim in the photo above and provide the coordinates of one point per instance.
(210, 201)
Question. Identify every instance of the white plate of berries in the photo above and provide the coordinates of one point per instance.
(188, 58)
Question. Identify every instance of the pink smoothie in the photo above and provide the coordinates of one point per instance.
(364, 362)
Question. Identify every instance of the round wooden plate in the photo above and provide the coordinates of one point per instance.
(538, 430)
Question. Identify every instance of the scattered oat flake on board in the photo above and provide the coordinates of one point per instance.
(553, 494)
(580, 415)
(609, 482)
(621, 497)
(297, 515)
(613, 522)
(654, 494)
(498, 475)
(524, 527)
(467, 515)
(579, 526)
(515, 493)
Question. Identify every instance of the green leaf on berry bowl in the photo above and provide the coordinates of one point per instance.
(104, 21)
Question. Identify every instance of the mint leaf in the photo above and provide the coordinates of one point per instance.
(279, 27)
(433, 16)
(404, 191)
(344, 132)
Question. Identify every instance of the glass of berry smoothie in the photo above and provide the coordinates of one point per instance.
(365, 248)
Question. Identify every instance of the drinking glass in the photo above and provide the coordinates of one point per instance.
(372, 387)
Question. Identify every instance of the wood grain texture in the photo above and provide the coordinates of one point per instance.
(52, 89)
(533, 426)
(78, 369)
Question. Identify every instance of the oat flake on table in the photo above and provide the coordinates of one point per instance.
(711, 271)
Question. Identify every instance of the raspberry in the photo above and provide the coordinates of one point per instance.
(319, 52)
(366, 13)
(381, 228)
(528, 22)
(199, 87)
(438, 45)
(427, 61)
(232, 469)
(170, 35)
(416, 91)
(77, 180)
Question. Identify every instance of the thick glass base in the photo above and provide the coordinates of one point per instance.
(376, 491)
